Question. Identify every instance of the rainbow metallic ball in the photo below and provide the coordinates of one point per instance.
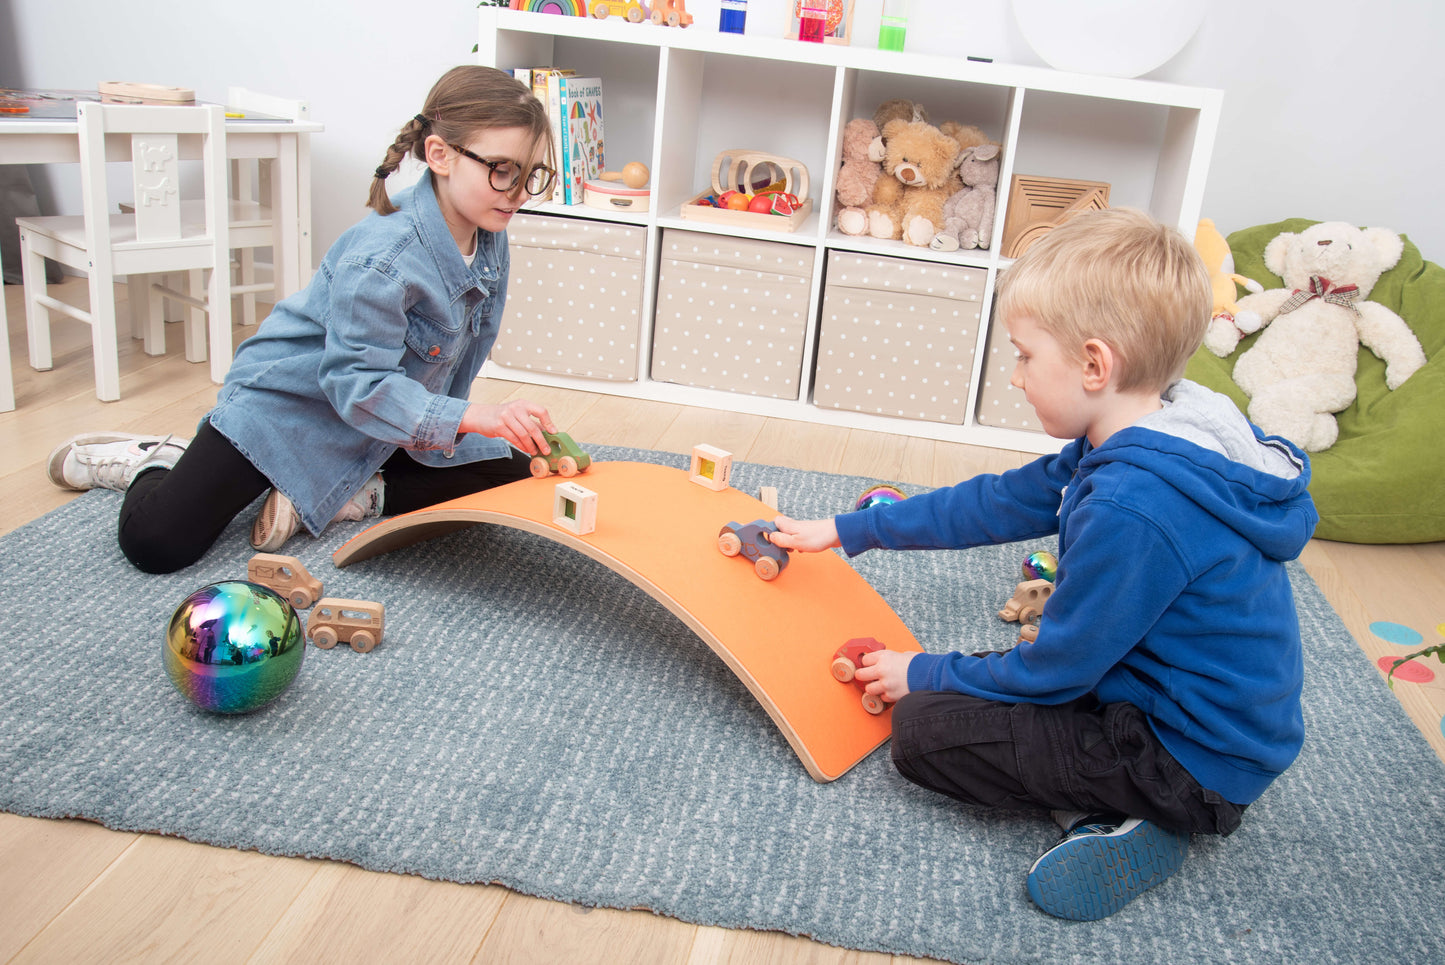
(1041, 565)
(879, 496)
(233, 647)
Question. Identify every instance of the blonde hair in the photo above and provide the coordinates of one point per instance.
(1119, 276)
(465, 100)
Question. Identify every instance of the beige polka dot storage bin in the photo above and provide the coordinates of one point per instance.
(731, 313)
(897, 337)
(999, 403)
(574, 299)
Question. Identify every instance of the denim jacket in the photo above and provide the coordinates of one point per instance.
(377, 353)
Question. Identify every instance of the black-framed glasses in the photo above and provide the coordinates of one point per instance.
(504, 175)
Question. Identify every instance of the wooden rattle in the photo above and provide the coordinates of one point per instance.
(634, 174)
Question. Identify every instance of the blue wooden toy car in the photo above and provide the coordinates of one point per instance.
(751, 541)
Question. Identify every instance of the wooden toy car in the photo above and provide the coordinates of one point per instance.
(633, 11)
(846, 661)
(1027, 603)
(671, 12)
(752, 542)
(565, 457)
(357, 622)
(287, 576)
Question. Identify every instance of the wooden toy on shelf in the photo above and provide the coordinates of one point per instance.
(575, 508)
(624, 190)
(355, 622)
(672, 13)
(751, 542)
(564, 457)
(753, 174)
(846, 661)
(287, 576)
(711, 467)
(1037, 205)
(629, 10)
(127, 92)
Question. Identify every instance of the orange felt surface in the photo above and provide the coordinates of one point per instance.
(659, 529)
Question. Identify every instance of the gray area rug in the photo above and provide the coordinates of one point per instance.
(532, 719)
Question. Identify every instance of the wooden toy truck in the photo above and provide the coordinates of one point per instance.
(287, 576)
(846, 661)
(565, 457)
(356, 622)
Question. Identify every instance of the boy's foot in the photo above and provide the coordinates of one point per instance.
(110, 460)
(278, 520)
(1101, 864)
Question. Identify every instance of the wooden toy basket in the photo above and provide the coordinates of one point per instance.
(745, 170)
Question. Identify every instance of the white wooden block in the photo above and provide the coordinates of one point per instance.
(711, 467)
(575, 508)
(769, 496)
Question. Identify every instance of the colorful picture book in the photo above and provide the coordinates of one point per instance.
(581, 134)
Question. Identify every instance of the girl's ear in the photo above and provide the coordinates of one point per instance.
(1098, 364)
(438, 156)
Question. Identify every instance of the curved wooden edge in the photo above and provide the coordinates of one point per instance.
(401, 531)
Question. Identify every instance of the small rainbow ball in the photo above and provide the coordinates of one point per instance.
(879, 496)
(233, 647)
(1041, 565)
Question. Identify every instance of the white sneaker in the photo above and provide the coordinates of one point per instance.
(278, 520)
(110, 460)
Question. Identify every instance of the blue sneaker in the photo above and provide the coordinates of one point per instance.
(1099, 866)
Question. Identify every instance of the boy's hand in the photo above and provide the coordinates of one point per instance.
(519, 422)
(811, 536)
(886, 673)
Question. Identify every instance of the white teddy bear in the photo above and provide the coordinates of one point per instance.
(1301, 369)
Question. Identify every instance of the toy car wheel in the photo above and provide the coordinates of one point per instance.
(300, 599)
(1029, 614)
(767, 568)
(873, 704)
(567, 466)
(324, 637)
(362, 641)
(843, 670)
(539, 467)
(729, 544)
(600, 11)
(634, 14)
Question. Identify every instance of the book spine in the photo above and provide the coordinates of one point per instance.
(565, 175)
(559, 127)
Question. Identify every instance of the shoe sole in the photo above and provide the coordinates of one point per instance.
(55, 465)
(263, 530)
(1093, 876)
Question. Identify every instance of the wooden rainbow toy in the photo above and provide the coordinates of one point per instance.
(567, 8)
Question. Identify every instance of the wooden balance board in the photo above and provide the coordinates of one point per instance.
(659, 530)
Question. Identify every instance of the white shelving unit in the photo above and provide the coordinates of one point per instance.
(675, 98)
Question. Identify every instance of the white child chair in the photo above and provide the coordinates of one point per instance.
(156, 238)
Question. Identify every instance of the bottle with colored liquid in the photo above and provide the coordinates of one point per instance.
(812, 21)
(894, 25)
(733, 17)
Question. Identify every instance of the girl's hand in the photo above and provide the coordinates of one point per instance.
(886, 674)
(519, 422)
(811, 536)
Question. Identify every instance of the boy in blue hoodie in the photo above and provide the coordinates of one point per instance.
(1162, 695)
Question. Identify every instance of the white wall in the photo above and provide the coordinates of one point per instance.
(1329, 107)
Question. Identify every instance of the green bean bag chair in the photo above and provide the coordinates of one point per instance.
(1383, 481)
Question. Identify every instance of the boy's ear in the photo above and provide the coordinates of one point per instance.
(438, 155)
(1098, 365)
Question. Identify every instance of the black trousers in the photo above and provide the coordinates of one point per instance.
(170, 518)
(1081, 756)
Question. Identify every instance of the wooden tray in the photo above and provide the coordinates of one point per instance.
(743, 169)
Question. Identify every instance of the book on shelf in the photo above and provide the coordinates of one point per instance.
(546, 90)
(581, 101)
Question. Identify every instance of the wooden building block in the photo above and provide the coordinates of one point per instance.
(711, 467)
(1036, 205)
(575, 508)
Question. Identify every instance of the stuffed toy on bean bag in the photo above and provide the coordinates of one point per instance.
(1383, 479)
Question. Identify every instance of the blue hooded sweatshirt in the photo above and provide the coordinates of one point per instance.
(1171, 592)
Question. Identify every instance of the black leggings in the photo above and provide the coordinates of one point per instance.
(170, 518)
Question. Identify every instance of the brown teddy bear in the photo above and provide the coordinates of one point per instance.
(920, 173)
(857, 176)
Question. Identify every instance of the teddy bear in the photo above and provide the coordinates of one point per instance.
(1301, 368)
(897, 109)
(968, 215)
(919, 175)
(857, 176)
(1222, 336)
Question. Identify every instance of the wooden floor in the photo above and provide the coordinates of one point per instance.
(74, 892)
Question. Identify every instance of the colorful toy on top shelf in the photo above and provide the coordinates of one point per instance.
(565, 8)
(287, 576)
(565, 457)
(629, 10)
(1041, 565)
(880, 495)
(232, 647)
(752, 542)
(672, 13)
(846, 661)
(355, 622)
